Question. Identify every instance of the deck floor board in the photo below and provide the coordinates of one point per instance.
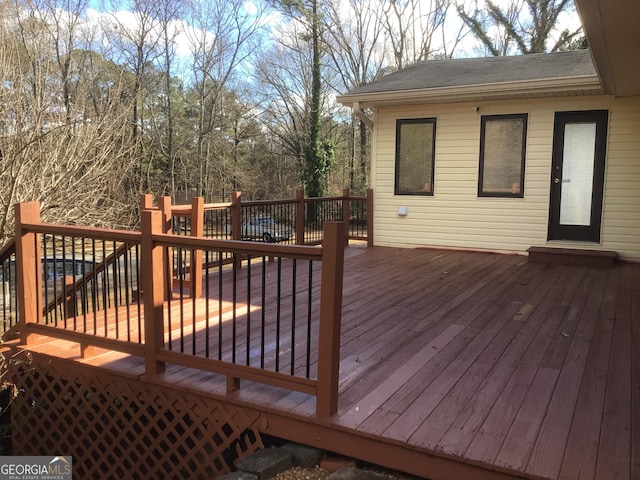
(521, 368)
(491, 362)
(439, 421)
(489, 438)
(614, 452)
(581, 454)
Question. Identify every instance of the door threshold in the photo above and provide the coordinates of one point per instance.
(573, 256)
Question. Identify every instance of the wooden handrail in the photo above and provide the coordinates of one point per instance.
(124, 236)
(302, 252)
(217, 206)
(322, 199)
(257, 203)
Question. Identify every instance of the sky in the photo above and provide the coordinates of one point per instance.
(469, 46)
(97, 17)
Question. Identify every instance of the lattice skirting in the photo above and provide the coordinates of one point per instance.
(117, 428)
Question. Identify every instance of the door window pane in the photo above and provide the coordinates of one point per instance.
(577, 173)
(415, 150)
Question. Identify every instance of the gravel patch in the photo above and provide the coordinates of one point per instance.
(317, 473)
(298, 473)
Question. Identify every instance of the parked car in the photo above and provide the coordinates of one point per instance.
(265, 229)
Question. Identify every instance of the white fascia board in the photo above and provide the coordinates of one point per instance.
(550, 87)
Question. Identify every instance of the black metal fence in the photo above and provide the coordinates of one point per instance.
(302, 219)
(8, 297)
(269, 222)
(298, 221)
(84, 279)
(262, 315)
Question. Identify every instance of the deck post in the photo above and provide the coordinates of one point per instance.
(28, 269)
(300, 217)
(146, 201)
(165, 204)
(236, 215)
(236, 223)
(153, 290)
(197, 230)
(369, 217)
(346, 213)
(330, 318)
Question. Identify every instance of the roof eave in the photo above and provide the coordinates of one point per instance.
(587, 84)
(610, 27)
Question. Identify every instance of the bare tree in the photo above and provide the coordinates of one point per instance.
(523, 26)
(354, 35)
(63, 20)
(412, 26)
(168, 13)
(75, 166)
(222, 37)
(284, 76)
(305, 18)
(134, 36)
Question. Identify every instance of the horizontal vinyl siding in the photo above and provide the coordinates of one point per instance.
(621, 217)
(456, 217)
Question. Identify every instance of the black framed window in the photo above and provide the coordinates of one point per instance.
(415, 151)
(502, 154)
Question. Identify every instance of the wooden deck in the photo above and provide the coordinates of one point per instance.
(466, 365)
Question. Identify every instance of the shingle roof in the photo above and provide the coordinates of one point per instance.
(483, 71)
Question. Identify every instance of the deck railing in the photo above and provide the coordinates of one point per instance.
(306, 216)
(298, 221)
(302, 218)
(275, 322)
(8, 305)
(85, 281)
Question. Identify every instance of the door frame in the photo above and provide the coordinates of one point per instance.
(581, 233)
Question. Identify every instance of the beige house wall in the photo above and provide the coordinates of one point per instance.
(456, 217)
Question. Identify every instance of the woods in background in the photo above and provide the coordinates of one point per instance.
(191, 97)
